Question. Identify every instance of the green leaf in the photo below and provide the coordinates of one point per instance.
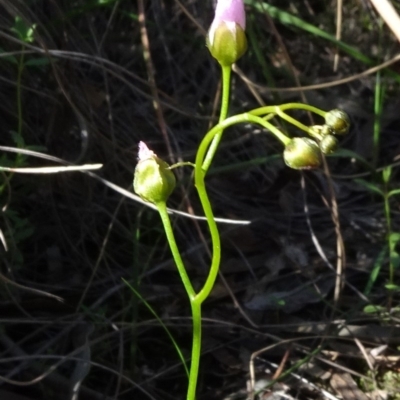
(23, 31)
(386, 174)
(395, 259)
(17, 139)
(370, 186)
(10, 59)
(373, 309)
(392, 287)
(167, 331)
(37, 62)
(393, 192)
(394, 238)
(289, 19)
(375, 271)
(346, 153)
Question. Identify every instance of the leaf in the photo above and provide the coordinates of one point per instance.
(373, 309)
(38, 62)
(392, 287)
(375, 271)
(346, 153)
(395, 259)
(370, 186)
(289, 19)
(10, 59)
(394, 238)
(18, 139)
(386, 174)
(23, 31)
(394, 192)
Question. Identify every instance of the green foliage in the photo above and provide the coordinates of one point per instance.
(23, 31)
(393, 238)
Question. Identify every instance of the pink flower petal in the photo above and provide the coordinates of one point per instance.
(144, 152)
(231, 11)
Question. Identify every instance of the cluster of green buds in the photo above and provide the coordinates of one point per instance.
(305, 153)
(153, 180)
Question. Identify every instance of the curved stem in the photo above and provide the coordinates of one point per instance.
(199, 176)
(215, 239)
(226, 77)
(162, 209)
(288, 106)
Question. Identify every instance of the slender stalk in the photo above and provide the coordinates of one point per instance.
(215, 238)
(19, 97)
(199, 177)
(288, 106)
(378, 106)
(226, 78)
(162, 209)
(204, 156)
(291, 120)
(389, 233)
(194, 302)
(196, 349)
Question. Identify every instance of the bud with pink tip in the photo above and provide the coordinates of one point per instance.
(226, 39)
(153, 179)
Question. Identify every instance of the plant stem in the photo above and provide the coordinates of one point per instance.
(378, 107)
(215, 239)
(203, 161)
(288, 106)
(226, 78)
(19, 100)
(194, 303)
(199, 177)
(291, 120)
(196, 349)
(389, 233)
(162, 209)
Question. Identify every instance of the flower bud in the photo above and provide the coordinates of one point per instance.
(326, 130)
(328, 144)
(153, 180)
(226, 39)
(338, 121)
(302, 153)
(315, 131)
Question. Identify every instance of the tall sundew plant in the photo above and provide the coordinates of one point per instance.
(154, 180)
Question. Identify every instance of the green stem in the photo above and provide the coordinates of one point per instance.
(199, 176)
(195, 303)
(378, 106)
(162, 209)
(291, 120)
(215, 239)
(288, 106)
(196, 349)
(226, 78)
(389, 233)
(19, 97)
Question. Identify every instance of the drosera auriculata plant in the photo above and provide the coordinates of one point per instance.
(154, 181)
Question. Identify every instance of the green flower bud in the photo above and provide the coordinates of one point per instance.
(338, 121)
(153, 180)
(302, 153)
(326, 130)
(227, 42)
(328, 144)
(315, 131)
